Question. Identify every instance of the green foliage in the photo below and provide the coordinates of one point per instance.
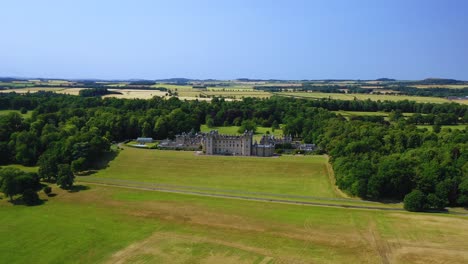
(48, 166)
(65, 177)
(415, 201)
(47, 190)
(373, 158)
(14, 181)
(247, 125)
(78, 165)
(209, 121)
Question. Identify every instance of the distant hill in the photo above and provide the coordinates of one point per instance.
(440, 81)
(385, 80)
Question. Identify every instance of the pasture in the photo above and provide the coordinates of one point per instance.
(285, 175)
(373, 97)
(100, 224)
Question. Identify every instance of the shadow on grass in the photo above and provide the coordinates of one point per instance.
(20, 201)
(78, 188)
(104, 160)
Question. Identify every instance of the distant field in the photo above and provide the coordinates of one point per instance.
(296, 175)
(374, 97)
(33, 89)
(133, 93)
(450, 86)
(358, 113)
(71, 91)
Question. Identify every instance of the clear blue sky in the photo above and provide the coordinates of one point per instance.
(290, 39)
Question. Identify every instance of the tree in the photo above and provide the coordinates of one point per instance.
(14, 181)
(209, 121)
(65, 177)
(78, 165)
(248, 125)
(147, 131)
(47, 190)
(414, 201)
(48, 166)
(9, 186)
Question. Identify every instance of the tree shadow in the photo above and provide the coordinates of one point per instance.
(19, 201)
(78, 188)
(51, 195)
(103, 162)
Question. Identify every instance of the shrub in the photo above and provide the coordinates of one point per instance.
(414, 201)
(47, 190)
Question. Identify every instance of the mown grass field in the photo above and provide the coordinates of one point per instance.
(373, 97)
(286, 175)
(118, 225)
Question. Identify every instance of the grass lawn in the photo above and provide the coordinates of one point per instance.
(233, 130)
(21, 167)
(6, 112)
(286, 175)
(459, 127)
(373, 97)
(117, 225)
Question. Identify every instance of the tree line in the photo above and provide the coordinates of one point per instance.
(373, 158)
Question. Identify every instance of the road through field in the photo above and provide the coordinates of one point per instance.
(242, 197)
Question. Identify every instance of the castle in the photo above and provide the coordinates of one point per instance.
(214, 143)
(238, 145)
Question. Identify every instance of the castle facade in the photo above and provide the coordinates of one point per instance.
(237, 145)
(218, 144)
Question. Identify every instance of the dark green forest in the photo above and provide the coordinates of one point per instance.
(373, 158)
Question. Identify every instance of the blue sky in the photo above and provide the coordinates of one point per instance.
(290, 39)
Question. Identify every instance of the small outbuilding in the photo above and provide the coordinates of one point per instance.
(144, 140)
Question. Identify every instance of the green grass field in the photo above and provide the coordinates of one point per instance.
(21, 167)
(117, 225)
(6, 112)
(233, 130)
(285, 175)
(373, 97)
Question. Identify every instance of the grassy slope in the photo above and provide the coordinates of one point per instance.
(233, 130)
(284, 175)
(6, 112)
(105, 224)
(21, 167)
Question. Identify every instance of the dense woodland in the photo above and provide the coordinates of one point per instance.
(372, 158)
